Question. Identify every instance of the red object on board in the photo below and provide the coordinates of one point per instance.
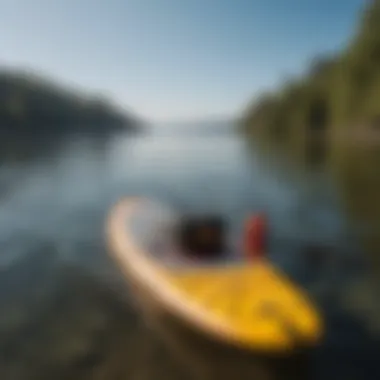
(255, 237)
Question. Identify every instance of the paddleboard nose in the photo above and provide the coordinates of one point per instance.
(301, 325)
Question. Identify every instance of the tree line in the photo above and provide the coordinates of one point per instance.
(339, 94)
(32, 104)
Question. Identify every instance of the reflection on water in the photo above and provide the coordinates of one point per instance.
(63, 313)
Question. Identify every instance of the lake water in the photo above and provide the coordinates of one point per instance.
(64, 310)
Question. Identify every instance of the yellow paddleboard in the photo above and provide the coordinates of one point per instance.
(249, 304)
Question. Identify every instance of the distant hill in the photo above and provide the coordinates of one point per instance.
(339, 95)
(196, 127)
(35, 105)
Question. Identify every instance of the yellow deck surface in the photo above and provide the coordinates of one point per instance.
(254, 304)
(251, 304)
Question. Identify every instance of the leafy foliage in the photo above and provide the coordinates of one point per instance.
(338, 93)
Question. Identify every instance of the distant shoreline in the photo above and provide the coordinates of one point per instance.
(32, 105)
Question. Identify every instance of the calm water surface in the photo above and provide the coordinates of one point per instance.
(64, 308)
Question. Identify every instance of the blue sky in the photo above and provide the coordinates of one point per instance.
(173, 59)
